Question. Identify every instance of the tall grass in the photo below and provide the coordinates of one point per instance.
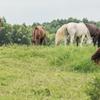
(45, 72)
(93, 88)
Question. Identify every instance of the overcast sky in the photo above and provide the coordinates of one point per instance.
(29, 11)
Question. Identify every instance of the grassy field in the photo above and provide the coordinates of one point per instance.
(46, 73)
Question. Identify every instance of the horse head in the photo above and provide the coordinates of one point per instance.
(39, 35)
(96, 56)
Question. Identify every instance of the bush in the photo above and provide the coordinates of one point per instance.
(21, 34)
(84, 66)
(93, 89)
(5, 34)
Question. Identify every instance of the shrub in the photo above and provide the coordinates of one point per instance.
(93, 88)
(84, 66)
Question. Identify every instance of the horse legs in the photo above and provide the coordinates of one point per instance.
(82, 40)
(98, 42)
(89, 39)
(66, 38)
(77, 40)
(94, 41)
(57, 42)
(33, 42)
(37, 41)
(65, 41)
(72, 39)
(43, 41)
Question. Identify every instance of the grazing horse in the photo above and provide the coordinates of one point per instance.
(95, 33)
(96, 56)
(73, 32)
(39, 35)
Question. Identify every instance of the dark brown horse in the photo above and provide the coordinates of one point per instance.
(39, 35)
(96, 56)
(95, 33)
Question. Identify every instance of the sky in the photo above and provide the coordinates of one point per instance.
(30, 11)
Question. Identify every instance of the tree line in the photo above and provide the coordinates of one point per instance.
(22, 34)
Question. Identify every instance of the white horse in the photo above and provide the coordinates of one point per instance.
(74, 32)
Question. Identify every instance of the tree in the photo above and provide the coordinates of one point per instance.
(5, 34)
(21, 34)
(85, 20)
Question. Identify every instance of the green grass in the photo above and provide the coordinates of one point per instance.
(45, 73)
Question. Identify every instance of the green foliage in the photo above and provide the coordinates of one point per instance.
(98, 24)
(51, 39)
(85, 20)
(53, 26)
(5, 34)
(19, 34)
(93, 88)
(22, 34)
(84, 65)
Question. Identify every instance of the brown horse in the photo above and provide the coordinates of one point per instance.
(95, 33)
(96, 56)
(39, 35)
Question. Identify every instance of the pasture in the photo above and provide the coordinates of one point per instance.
(46, 73)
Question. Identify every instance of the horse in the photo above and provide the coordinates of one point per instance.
(96, 56)
(61, 34)
(72, 32)
(39, 35)
(95, 33)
